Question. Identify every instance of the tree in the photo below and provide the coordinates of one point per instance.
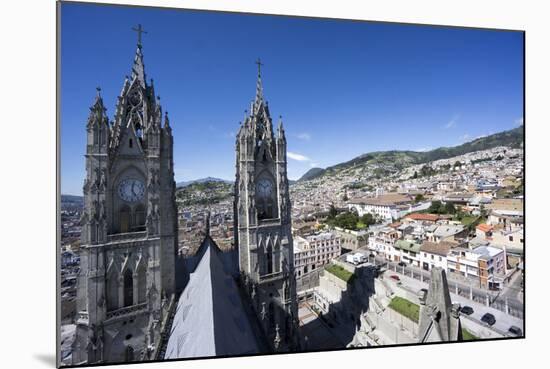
(367, 219)
(332, 212)
(345, 198)
(415, 174)
(347, 220)
(418, 198)
(450, 208)
(435, 207)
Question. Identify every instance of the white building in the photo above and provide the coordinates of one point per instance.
(407, 252)
(314, 251)
(382, 241)
(434, 254)
(387, 207)
(484, 264)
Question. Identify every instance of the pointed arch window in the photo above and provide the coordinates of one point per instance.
(139, 218)
(142, 283)
(128, 288)
(130, 143)
(112, 291)
(277, 258)
(96, 134)
(269, 258)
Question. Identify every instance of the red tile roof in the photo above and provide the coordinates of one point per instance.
(485, 227)
(423, 217)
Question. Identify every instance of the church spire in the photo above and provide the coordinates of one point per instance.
(280, 129)
(259, 88)
(138, 69)
(98, 111)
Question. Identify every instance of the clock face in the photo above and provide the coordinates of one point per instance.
(131, 190)
(264, 188)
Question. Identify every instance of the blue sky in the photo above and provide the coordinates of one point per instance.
(343, 88)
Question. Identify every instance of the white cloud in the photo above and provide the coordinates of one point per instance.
(304, 136)
(465, 137)
(519, 121)
(313, 165)
(452, 122)
(297, 157)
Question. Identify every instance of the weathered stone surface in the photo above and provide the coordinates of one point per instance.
(262, 222)
(129, 233)
(439, 318)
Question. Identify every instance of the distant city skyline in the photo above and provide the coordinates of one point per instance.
(343, 88)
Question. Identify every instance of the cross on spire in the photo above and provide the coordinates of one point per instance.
(139, 31)
(259, 63)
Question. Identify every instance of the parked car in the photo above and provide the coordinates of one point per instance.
(402, 264)
(488, 318)
(395, 278)
(467, 310)
(515, 331)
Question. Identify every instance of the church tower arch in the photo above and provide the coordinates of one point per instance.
(262, 225)
(129, 210)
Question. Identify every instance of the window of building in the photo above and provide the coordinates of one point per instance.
(112, 291)
(130, 143)
(128, 288)
(269, 259)
(142, 284)
(124, 219)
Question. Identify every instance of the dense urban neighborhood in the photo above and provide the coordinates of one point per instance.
(463, 214)
(385, 248)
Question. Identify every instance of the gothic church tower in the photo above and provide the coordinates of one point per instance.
(129, 230)
(262, 225)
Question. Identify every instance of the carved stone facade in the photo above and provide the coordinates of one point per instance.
(263, 225)
(129, 229)
(439, 317)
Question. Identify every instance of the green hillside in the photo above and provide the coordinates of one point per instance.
(402, 159)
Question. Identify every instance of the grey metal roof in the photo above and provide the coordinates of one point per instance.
(448, 230)
(210, 318)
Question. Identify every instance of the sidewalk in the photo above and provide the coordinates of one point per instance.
(503, 320)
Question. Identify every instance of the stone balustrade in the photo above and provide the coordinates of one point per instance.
(127, 310)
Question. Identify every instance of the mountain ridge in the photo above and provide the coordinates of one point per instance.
(201, 180)
(403, 158)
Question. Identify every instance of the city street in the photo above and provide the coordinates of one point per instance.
(503, 321)
(500, 300)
